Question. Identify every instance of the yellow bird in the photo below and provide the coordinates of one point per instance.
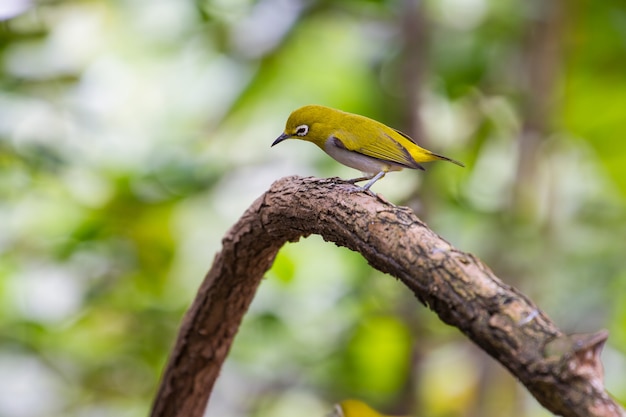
(354, 408)
(358, 142)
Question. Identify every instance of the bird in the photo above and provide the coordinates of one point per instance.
(358, 142)
(354, 408)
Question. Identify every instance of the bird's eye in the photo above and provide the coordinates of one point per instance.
(302, 130)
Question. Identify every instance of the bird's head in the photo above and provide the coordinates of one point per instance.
(311, 123)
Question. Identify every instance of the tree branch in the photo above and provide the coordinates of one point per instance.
(563, 372)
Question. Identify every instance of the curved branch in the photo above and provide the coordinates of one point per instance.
(563, 372)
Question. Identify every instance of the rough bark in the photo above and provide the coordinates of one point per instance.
(563, 372)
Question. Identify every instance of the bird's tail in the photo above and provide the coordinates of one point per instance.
(445, 158)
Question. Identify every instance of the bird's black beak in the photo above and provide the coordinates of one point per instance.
(280, 139)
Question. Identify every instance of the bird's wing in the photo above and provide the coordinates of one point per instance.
(383, 147)
(404, 135)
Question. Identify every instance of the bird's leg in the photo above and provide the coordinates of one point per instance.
(359, 179)
(372, 180)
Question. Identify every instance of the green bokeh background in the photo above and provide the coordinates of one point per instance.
(133, 133)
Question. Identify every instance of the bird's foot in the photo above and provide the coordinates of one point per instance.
(361, 189)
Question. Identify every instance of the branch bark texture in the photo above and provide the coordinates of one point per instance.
(562, 371)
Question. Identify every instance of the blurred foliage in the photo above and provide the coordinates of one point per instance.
(133, 133)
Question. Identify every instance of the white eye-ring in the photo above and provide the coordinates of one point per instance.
(302, 130)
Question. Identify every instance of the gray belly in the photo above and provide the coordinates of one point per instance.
(364, 163)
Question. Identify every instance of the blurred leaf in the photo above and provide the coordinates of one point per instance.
(378, 355)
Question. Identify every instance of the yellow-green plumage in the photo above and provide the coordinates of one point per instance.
(357, 141)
